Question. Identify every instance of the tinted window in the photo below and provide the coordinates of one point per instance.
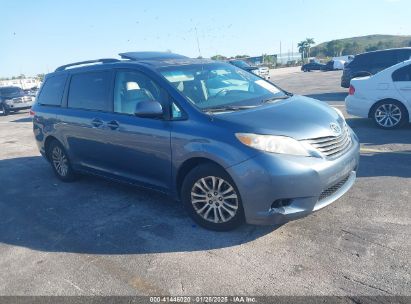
(132, 88)
(90, 91)
(383, 58)
(358, 60)
(404, 55)
(403, 74)
(52, 91)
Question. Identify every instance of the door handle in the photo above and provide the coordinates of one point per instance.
(406, 89)
(113, 125)
(97, 122)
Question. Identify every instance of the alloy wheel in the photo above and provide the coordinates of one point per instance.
(214, 199)
(60, 161)
(388, 115)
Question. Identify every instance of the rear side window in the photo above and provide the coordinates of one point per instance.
(52, 91)
(90, 91)
(403, 74)
(383, 58)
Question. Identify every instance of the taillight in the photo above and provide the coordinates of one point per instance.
(351, 91)
(32, 113)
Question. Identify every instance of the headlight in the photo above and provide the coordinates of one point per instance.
(8, 101)
(273, 144)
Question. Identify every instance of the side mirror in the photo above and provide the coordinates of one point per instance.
(149, 109)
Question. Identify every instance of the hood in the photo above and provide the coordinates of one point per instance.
(298, 117)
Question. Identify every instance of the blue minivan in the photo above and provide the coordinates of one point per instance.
(230, 145)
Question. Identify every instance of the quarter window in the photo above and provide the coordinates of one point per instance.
(131, 88)
(403, 74)
(52, 91)
(90, 91)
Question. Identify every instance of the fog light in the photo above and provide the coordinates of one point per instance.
(284, 202)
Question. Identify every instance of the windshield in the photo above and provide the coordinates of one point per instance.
(240, 63)
(9, 91)
(217, 85)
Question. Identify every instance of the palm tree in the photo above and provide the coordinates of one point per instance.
(309, 42)
(302, 48)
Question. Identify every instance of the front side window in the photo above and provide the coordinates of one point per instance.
(132, 87)
(52, 91)
(216, 85)
(90, 91)
(402, 74)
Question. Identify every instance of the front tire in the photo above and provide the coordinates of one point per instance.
(389, 114)
(212, 199)
(60, 162)
(3, 110)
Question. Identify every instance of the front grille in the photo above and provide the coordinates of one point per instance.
(333, 146)
(334, 188)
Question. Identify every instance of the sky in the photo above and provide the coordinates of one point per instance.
(38, 36)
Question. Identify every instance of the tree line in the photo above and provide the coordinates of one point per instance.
(336, 48)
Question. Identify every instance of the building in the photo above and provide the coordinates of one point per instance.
(284, 58)
(24, 83)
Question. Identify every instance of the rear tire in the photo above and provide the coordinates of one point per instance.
(60, 162)
(211, 198)
(389, 114)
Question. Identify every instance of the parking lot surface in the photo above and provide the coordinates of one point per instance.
(96, 237)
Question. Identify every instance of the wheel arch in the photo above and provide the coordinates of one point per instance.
(187, 166)
(47, 143)
(390, 100)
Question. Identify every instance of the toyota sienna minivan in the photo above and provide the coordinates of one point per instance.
(230, 145)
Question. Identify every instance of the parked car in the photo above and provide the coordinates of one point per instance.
(13, 99)
(313, 66)
(31, 92)
(329, 66)
(231, 146)
(370, 63)
(384, 97)
(263, 72)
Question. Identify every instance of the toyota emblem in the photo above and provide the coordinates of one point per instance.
(335, 128)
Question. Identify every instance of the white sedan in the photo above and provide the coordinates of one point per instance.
(384, 97)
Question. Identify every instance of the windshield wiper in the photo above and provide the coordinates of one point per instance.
(228, 108)
(268, 100)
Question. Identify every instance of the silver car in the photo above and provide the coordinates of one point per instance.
(14, 99)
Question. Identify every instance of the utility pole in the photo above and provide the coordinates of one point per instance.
(280, 49)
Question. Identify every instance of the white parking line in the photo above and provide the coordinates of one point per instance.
(367, 150)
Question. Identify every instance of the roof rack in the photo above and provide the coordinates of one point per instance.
(136, 56)
(103, 60)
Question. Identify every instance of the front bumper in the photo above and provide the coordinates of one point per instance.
(13, 106)
(306, 183)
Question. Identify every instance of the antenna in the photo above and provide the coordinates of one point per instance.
(198, 42)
